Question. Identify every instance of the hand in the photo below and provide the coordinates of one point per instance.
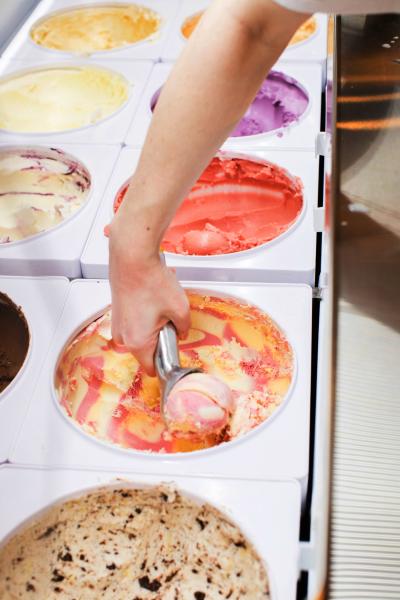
(145, 296)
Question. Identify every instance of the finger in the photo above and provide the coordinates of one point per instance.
(145, 358)
(106, 230)
(180, 316)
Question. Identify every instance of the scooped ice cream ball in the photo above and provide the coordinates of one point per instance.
(199, 404)
(208, 241)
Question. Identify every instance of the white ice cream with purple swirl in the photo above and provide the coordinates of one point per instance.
(39, 188)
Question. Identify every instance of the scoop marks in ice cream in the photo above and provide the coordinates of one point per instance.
(14, 340)
(280, 102)
(89, 29)
(61, 98)
(236, 204)
(39, 188)
(125, 543)
(303, 33)
(102, 388)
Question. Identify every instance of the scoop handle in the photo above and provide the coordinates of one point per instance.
(167, 354)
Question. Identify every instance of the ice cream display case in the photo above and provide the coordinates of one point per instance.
(237, 512)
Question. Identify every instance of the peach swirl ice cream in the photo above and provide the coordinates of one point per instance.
(105, 392)
(84, 30)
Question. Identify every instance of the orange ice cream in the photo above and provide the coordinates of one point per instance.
(303, 33)
(236, 204)
(105, 392)
(96, 28)
(190, 24)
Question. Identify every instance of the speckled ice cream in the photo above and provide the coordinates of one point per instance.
(124, 543)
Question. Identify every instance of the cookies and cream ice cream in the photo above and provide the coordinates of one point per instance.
(60, 98)
(14, 341)
(39, 188)
(104, 391)
(84, 30)
(280, 102)
(304, 32)
(133, 544)
(236, 204)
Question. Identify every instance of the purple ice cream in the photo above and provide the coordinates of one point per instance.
(280, 102)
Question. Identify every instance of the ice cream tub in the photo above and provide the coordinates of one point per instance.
(108, 30)
(285, 113)
(309, 44)
(53, 438)
(49, 198)
(287, 257)
(69, 102)
(270, 530)
(29, 312)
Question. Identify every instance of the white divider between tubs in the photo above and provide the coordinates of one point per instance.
(271, 524)
(276, 449)
(289, 258)
(111, 130)
(41, 301)
(301, 134)
(22, 47)
(58, 250)
(313, 49)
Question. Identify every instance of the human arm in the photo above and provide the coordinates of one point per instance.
(210, 88)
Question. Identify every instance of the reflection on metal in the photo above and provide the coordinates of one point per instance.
(13, 12)
(365, 517)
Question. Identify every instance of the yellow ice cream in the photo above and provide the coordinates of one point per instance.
(59, 98)
(97, 28)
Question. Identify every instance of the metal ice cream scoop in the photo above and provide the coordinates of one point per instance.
(167, 363)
